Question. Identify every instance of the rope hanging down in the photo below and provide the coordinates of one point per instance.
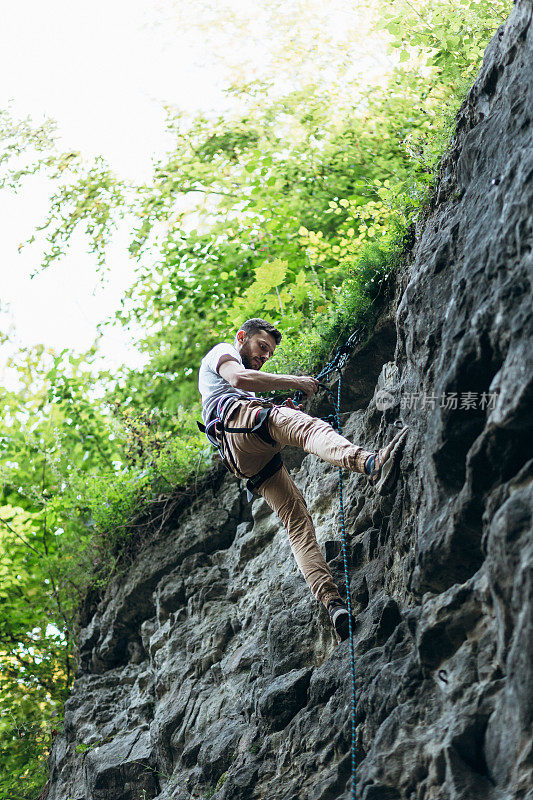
(337, 403)
(336, 364)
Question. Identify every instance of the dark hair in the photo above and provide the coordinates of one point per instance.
(257, 324)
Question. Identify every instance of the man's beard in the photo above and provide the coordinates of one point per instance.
(246, 358)
(246, 361)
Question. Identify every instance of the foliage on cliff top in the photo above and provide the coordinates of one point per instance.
(292, 207)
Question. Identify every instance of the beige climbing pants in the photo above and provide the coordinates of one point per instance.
(250, 453)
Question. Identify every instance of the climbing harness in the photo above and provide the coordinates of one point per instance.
(253, 483)
(216, 430)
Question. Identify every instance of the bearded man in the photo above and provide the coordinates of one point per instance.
(250, 432)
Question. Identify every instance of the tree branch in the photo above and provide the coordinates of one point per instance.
(22, 539)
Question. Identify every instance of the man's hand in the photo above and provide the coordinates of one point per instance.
(289, 402)
(308, 386)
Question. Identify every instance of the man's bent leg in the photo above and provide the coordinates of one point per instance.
(250, 453)
(290, 426)
(287, 501)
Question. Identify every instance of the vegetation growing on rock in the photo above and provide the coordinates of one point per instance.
(295, 206)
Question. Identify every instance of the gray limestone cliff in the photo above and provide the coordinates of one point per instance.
(208, 670)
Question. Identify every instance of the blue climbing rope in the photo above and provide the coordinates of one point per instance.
(348, 593)
(335, 365)
(336, 403)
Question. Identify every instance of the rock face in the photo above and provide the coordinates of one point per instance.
(210, 671)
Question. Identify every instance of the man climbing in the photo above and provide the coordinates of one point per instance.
(250, 432)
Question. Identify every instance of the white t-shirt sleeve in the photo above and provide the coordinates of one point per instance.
(214, 356)
(211, 384)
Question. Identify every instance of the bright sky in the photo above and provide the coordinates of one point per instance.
(102, 70)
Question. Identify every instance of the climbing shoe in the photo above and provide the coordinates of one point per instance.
(338, 614)
(385, 467)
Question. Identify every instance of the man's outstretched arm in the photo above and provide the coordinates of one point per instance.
(251, 380)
